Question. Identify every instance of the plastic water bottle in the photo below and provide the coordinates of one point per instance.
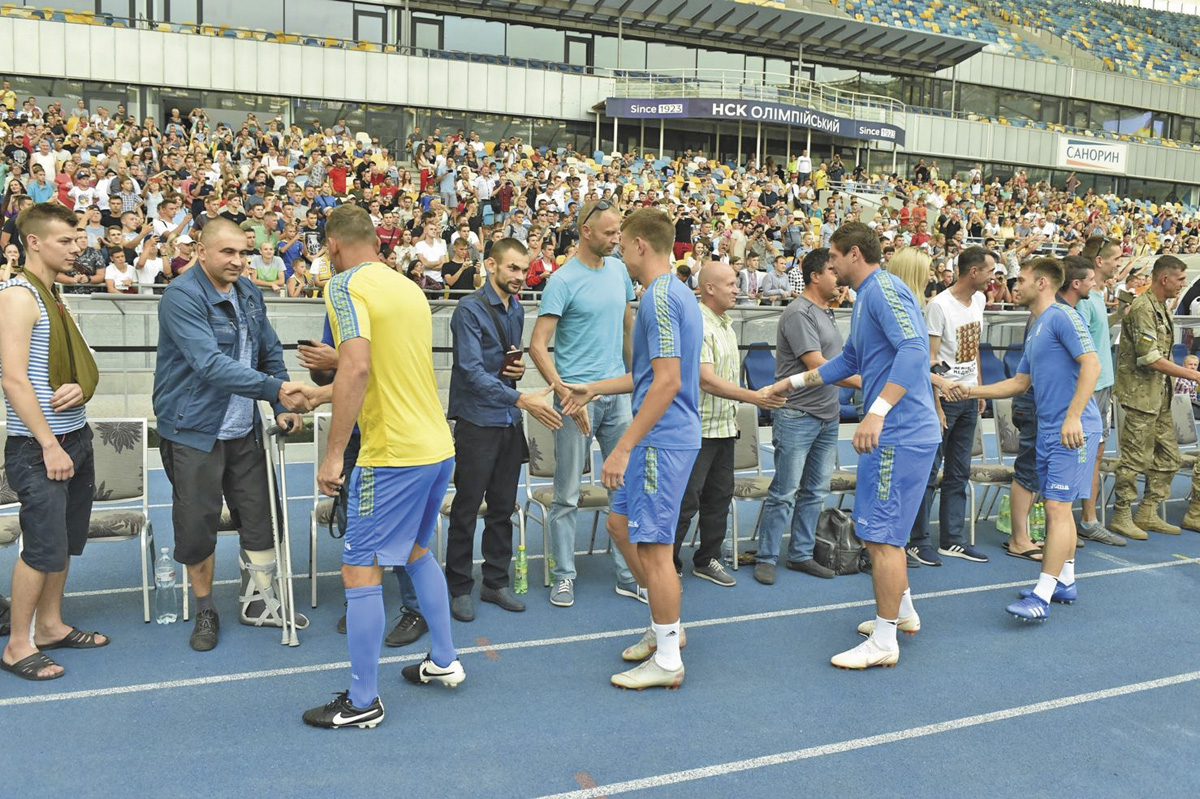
(521, 583)
(1037, 523)
(727, 551)
(1004, 520)
(166, 598)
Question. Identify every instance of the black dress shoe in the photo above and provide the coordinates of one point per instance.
(810, 566)
(410, 628)
(204, 634)
(462, 608)
(504, 597)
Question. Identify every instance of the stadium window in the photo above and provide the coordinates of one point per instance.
(778, 71)
(604, 52)
(1020, 105)
(319, 18)
(543, 44)
(470, 35)
(182, 10)
(717, 64)
(670, 57)
(264, 15)
(370, 24)
(120, 9)
(427, 31)
(755, 64)
(579, 50)
(981, 100)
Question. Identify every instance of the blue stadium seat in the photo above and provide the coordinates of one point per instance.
(993, 369)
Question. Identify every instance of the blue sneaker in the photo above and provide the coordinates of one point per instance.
(925, 554)
(1031, 608)
(964, 551)
(1063, 594)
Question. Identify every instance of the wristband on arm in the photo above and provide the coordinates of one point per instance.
(880, 407)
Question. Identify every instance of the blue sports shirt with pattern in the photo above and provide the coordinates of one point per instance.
(889, 343)
(1056, 338)
(668, 325)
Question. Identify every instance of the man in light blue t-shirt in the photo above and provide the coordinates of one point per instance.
(586, 310)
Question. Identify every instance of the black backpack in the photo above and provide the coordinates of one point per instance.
(837, 547)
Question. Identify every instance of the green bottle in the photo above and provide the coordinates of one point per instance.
(521, 583)
(1037, 526)
(1004, 520)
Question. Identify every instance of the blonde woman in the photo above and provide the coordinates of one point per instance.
(912, 265)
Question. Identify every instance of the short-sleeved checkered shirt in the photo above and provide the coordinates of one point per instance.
(718, 416)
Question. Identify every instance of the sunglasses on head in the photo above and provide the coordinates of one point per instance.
(603, 205)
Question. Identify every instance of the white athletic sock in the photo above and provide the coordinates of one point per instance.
(1067, 575)
(1045, 587)
(667, 636)
(262, 577)
(885, 632)
(906, 604)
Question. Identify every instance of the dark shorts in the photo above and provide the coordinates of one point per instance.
(891, 485)
(55, 514)
(655, 481)
(1025, 470)
(235, 470)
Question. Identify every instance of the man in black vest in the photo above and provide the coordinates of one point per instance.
(486, 407)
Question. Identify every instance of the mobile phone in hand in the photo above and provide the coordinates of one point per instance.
(306, 342)
(510, 358)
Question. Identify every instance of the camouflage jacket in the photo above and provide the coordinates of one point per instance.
(1147, 333)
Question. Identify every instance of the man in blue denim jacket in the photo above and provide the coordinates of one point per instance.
(217, 354)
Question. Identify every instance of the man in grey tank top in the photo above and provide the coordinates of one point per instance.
(48, 454)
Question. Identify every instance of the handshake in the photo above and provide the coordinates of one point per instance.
(955, 392)
(301, 397)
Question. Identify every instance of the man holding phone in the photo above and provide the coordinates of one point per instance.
(486, 406)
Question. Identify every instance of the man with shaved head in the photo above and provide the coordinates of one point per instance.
(710, 487)
(217, 354)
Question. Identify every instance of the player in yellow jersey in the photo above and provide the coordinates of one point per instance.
(383, 330)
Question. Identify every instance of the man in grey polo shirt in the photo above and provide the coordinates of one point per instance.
(805, 429)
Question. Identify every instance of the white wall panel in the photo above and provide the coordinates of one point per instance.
(290, 65)
(333, 73)
(439, 82)
(220, 62)
(151, 62)
(396, 81)
(474, 94)
(102, 50)
(417, 78)
(377, 77)
(245, 66)
(516, 86)
(355, 72)
(266, 69)
(52, 50)
(24, 42)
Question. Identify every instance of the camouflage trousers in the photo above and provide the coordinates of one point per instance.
(1148, 447)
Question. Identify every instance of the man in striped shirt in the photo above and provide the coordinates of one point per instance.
(48, 455)
(710, 487)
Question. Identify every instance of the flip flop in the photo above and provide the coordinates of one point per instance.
(27, 668)
(1026, 555)
(76, 639)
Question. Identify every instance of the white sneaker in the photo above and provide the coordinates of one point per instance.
(648, 645)
(649, 675)
(908, 624)
(427, 671)
(865, 655)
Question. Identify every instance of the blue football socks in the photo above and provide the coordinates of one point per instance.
(364, 635)
(434, 598)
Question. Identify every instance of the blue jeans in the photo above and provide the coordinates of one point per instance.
(805, 453)
(955, 452)
(609, 417)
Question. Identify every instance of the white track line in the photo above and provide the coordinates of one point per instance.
(543, 642)
(808, 753)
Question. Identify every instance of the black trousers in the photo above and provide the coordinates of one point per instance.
(709, 489)
(487, 467)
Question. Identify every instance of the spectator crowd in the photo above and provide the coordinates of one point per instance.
(439, 200)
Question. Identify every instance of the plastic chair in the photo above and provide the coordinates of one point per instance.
(1178, 353)
(1012, 360)
(993, 369)
(593, 497)
(121, 510)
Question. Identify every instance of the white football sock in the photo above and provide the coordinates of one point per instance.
(906, 604)
(667, 636)
(885, 633)
(1067, 575)
(1045, 587)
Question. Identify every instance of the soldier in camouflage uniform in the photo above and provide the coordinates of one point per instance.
(1143, 390)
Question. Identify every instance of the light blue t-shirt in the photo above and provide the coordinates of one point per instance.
(1095, 315)
(1055, 340)
(239, 414)
(590, 305)
(668, 325)
(889, 343)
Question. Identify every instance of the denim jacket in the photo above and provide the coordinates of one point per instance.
(198, 368)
